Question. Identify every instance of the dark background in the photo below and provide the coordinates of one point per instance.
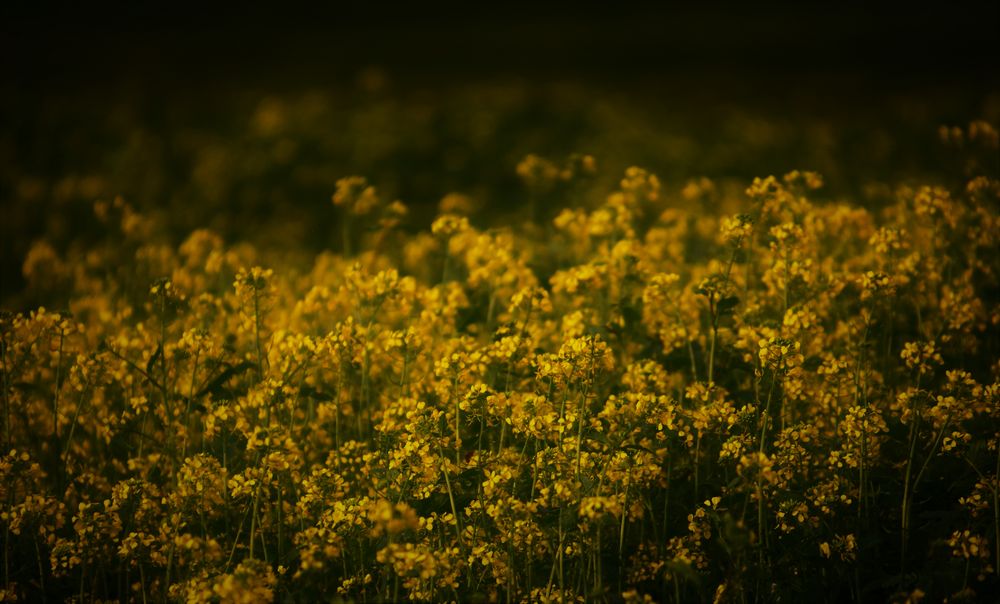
(76, 47)
(427, 99)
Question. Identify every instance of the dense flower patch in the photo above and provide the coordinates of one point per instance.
(684, 393)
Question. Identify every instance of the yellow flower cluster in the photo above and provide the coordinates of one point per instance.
(643, 397)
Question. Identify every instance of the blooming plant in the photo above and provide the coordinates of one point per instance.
(634, 398)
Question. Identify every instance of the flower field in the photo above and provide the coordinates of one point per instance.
(624, 389)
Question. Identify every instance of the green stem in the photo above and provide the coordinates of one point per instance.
(687, 338)
(458, 436)
(907, 491)
(55, 398)
(451, 500)
(6, 394)
(930, 456)
(697, 456)
(256, 333)
(995, 487)
(621, 529)
(714, 310)
(253, 519)
(766, 416)
(41, 569)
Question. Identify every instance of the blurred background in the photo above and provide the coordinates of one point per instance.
(242, 121)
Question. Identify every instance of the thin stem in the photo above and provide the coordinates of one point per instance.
(55, 398)
(697, 457)
(621, 530)
(41, 568)
(766, 416)
(714, 310)
(6, 394)
(253, 516)
(458, 436)
(687, 338)
(930, 456)
(167, 406)
(256, 333)
(451, 500)
(907, 490)
(995, 487)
